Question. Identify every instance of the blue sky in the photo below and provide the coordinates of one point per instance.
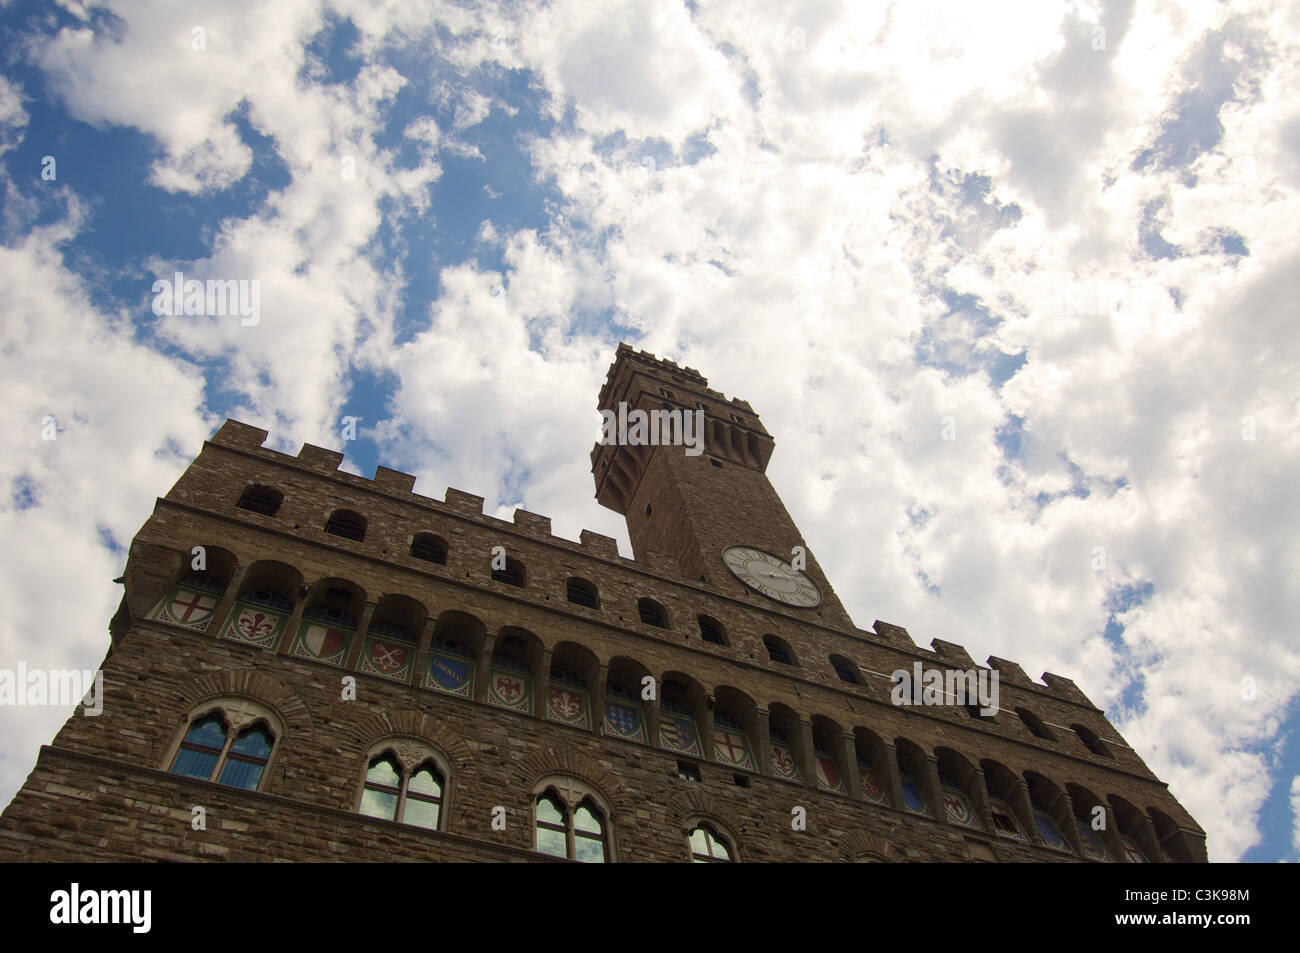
(1066, 229)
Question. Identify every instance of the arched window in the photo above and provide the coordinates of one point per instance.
(512, 575)
(708, 846)
(347, 524)
(1035, 725)
(404, 783)
(846, 670)
(652, 613)
(430, 548)
(570, 823)
(261, 499)
(711, 630)
(582, 592)
(1090, 739)
(230, 745)
(777, 650)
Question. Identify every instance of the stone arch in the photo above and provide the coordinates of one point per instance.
(258, 686)
(861, 845)
(552, 761)
(413, 724)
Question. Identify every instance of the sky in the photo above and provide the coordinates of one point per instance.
(1012, 285)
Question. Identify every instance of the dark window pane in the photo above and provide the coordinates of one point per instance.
(194, 764)
(254, 742)
(209, 732)
(242, 774)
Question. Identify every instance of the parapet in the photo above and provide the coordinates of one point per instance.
(241, 436)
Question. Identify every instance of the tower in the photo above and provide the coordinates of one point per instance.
(331, 667)
(711, 511)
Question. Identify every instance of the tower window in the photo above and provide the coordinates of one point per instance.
(716, 463)
(777, 650)
(430, 548)
(582, 592)
(261, 499)
(687, 771)
(667, 393)
(648, 509)
(347, 524)
(652, 613)
(845, 669)
(512, 575)
(1090, 739)
(711, 630)
(1035, 725)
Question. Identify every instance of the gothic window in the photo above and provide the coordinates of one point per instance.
(708, 847)
(347, 524)
(430, 548)
(845, 669)
(571, 822)
(711, 630)
(404, 783)
(583, 593)
(652, 613)
(261, 499)
(230, 744)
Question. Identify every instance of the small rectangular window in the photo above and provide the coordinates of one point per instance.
(687, 771)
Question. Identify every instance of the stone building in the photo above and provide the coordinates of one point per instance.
(310, 665)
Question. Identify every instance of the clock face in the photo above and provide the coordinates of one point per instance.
(772, 577)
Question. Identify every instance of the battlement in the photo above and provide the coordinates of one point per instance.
(399, 486)
(668, 369)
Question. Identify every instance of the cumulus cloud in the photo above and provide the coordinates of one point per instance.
(1011, 291)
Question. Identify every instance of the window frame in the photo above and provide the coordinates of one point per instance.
(571, 794)
(238, 715)
(715, 831)
(410, 755)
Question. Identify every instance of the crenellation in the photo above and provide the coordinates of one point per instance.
(319, 459)
(1010, 672)
(953, 652)
(466, 504)
(533, 524)
(599, 546)
(393, 481)
(1065, 688)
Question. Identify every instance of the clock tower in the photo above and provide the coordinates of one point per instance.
(706, 502)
